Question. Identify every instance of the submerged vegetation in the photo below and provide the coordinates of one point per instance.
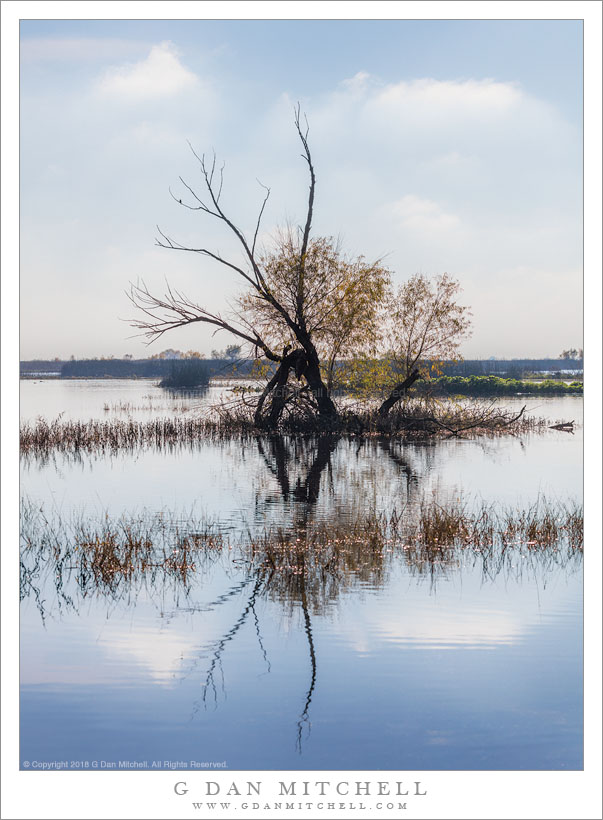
(317, 561)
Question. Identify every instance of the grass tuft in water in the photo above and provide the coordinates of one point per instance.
(158, 551)
(41, 438)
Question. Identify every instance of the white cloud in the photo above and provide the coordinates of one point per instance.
(469, 118)
(161, 74)
(358, 83)
(424, 215)
(451, 96)
(474, 177)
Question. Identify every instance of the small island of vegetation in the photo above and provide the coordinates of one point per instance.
(320, 326)
(186, 374)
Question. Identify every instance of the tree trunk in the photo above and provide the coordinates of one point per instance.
(398, 392)
(326, 407)
(257, 419)
(277, 388)
(279, 393)
(303, 365)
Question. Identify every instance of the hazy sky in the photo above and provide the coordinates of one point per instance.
(442, 145)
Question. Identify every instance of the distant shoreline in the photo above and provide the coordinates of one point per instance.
(473, 386)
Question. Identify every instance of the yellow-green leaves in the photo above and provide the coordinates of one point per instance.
(424, 322)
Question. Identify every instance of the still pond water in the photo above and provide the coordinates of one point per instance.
(384, 665)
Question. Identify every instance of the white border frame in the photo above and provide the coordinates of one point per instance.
(450, 794)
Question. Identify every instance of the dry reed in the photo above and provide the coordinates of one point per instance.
(320, 560)
(44, 437)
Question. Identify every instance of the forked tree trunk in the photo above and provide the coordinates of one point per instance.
(302, 365)
(276, 387)
(280, 393)
(398, 392)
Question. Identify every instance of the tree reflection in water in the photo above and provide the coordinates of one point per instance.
(220, 645)
(306, 564)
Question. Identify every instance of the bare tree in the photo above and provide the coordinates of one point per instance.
(174, 309)
(572, 353)
(308, 309)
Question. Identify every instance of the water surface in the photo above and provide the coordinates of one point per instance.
(387, 664)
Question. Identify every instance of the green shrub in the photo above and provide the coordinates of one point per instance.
(496, 386)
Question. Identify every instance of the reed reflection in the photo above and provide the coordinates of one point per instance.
(114, 559)
(305, 565)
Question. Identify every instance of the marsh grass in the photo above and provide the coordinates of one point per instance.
(155, 552)
(95, 436)
(544, 534)
(320, 562)
(415, 421)
(109, 557)
(149, 407)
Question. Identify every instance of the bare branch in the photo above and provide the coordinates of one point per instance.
(307, 156)
(176, 310)
(202, 206)
(176, 246)
(306, 234)
(257, 227)
(221, 182)
(258, 281)
(184, 204)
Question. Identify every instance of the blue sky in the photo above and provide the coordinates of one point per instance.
(441, 145)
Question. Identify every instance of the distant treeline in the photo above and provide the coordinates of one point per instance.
(160, 368)
(163, 369)
(40, 366)
(132, 368)
(509, 367)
